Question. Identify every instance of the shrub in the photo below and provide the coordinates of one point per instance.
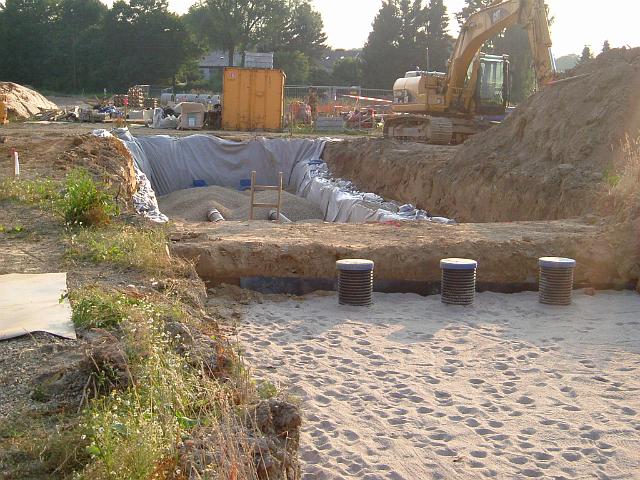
(83, 203)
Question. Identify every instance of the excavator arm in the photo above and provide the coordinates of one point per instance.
(485, 24)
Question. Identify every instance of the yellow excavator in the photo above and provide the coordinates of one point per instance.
(445, 108)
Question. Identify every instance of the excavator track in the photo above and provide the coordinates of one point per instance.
(418, 128)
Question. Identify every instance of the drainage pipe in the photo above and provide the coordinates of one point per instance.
(215, 216)
(273, 215)
(458, 285)
(556, 280)
(355, 282)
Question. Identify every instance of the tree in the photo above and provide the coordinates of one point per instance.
(606, 47)
(567, 62)
(26, 29)
(233, 25)
(439, 42)
(146, 44)
(74, 26)
(295, 34)
(471, 7)
(379, 55)
(406, 35)
(294, 64)
(586, 55)
(320, 76)
(348, 72)
(295, 27)
(412, 37)
(515, 43)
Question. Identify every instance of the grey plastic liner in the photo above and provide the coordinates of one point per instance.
(165, 164)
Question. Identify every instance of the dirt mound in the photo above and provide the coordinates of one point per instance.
(193, 204)
(559, 153)
(22, 102)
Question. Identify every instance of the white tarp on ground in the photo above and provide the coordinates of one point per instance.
(171, 164)
(32, 303)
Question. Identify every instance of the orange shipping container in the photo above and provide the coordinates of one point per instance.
(252, 99)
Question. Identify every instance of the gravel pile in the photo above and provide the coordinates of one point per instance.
(193, 204)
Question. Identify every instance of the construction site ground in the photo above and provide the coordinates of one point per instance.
(505, 387)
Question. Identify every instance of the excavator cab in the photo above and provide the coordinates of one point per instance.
(493, 85)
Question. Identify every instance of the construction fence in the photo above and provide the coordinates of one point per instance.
(335, 100)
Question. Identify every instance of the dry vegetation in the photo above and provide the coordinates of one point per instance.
(156, 390)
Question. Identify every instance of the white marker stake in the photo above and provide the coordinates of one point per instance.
(16, 164)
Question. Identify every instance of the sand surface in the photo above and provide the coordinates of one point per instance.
(193, 204)
(412, 389)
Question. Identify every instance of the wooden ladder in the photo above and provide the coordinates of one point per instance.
(258, 188)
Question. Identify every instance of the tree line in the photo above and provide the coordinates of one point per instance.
(74, 45)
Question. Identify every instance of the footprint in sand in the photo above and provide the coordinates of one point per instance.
(532, 473)
(569, 392)
(467, 410)
(524, 400)
(441, 437)
(500, 366)
(430, 380)
(478, 453)
(571, 456)
(350, 435)
(571, 408)
(322, 400)
(588, 363)
(446, 452)
(424, 410)
(397, 421)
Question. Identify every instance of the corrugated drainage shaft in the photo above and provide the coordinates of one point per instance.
(355, 282)
(458, 281)
(556, 280)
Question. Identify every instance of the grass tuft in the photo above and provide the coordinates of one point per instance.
(126, 246)
(96, 308)
(40, 192)
(84, 202)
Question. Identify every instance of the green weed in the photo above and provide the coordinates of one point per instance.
(39, 192)
(84, 203)
(267, 390)
(11, 230)
(96, 308)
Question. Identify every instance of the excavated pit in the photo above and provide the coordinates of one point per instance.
(559, 177)
(300, 257)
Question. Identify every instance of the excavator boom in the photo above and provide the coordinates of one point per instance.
(443, 106)
(486, 24)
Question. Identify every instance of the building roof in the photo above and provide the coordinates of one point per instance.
(220, 58)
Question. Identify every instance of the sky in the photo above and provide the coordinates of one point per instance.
(577, 22)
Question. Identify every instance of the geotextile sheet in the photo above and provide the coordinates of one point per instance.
(34, 303)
